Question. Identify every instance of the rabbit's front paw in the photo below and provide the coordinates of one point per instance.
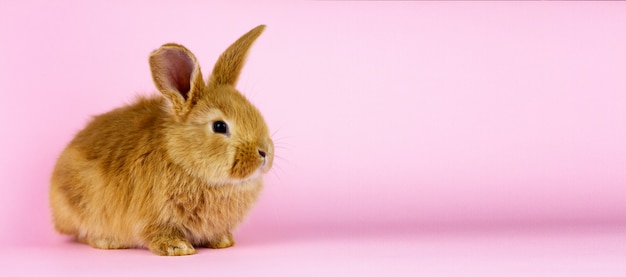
(171, 247)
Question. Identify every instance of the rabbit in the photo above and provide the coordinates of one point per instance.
(169, 172)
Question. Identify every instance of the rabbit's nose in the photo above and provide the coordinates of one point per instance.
(262, 153)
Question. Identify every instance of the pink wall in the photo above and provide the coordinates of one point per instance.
(399, 115)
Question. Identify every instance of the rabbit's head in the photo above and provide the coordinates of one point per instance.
(212, 131)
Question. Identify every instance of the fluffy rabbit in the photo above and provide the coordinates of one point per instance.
(168, 172)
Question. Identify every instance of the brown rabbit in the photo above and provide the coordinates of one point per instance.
(168, 172)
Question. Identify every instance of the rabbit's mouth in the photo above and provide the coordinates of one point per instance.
(250, 163)
(261, 170)
(246, 170)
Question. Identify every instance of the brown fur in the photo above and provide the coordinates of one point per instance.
(154, 173)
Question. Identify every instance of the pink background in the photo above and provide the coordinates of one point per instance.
(411, 136)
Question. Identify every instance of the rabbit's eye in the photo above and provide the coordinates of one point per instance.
(220, 127)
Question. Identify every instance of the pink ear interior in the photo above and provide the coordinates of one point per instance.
(176, 69)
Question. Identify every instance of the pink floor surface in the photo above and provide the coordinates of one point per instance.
(579, 252)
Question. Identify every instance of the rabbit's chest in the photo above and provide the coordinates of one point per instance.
(216, 210)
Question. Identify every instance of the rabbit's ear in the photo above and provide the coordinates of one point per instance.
(229, 64)
(176, 74)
